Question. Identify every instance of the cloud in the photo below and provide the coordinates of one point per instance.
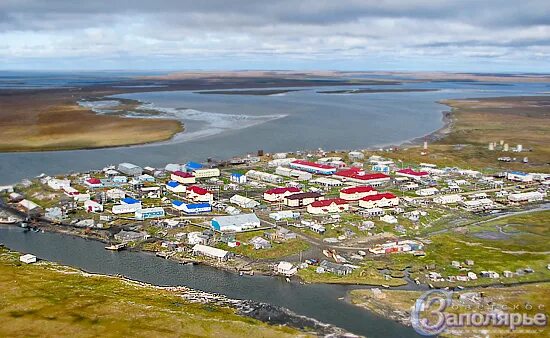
(287, 32)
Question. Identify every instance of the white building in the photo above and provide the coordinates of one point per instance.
(519, 176)
(57, 184)
(356, 193)
(208, 251)
(262, 176)
(278, 194)
(243, 202)
(92, 206)
(206, 172)
(327, 182)
(286, 269)
(427, 192)
(115, 194)
(236, 223)
(27, 259)
(532, 196)
(322, 207)
(294, 173)
(448, 199)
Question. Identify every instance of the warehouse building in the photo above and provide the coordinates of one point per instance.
(532, 196)
(412, 174)
(519, 176)
(312, 167)
(448, 199)
(358, 175)
(265, 177)
(243, 202)
(211, 252)
(130, 169)
(206, 172)
(294, 173)
(236, 223)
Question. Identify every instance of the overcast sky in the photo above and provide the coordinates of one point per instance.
(482, 35)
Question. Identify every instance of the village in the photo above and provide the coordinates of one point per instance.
(324, 217)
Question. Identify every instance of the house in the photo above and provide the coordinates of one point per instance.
(519, 176)
(129, 169)
(302, 199)
(243, 202)
(471, 275)
(127, 205)
(284, 214)
(372, 212)
(191, 208)
(448, 199)
(130, 236)
(198, 194)
(197, 237)
(278, 194)
(490, 274)
(337, 269)
(286, 269)
(142, 214)
(146, 178)
(237, 178)
(356, 156)
(358, 175)
(277, 162)
(119, 179)
(208, 251)
(259, 243)
(27, 259)
(328, 206)
(412, 174)
(281, 234)
(115, 194)
(236, 223)
(182, 177)
(312, 167)
(409, 186)
(57, 184)
(381, 200)
(92, 206)
(93, 183)
(531, 196)
(54, 214)
(427, 192)
(175, 187)
(356, 193)
(508, 274)
(264, 177)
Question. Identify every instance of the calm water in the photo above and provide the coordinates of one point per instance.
(316, 301)
(222, 126)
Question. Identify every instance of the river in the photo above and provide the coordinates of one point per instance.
(319, 301)
(222, 126)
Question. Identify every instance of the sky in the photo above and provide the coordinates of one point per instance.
(400, 35)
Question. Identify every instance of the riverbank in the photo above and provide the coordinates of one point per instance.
(52, 293)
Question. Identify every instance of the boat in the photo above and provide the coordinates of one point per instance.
(417, 282)
(287, 280)
(386, 286)
(116, 247)
(9, 220)
(24, 225)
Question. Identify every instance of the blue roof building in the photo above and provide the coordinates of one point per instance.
(193, 208)
(190, 166)
(129, 200)
(172, 184)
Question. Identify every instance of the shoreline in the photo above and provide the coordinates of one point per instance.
(263, 312)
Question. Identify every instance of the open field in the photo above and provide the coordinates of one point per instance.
(476, 122)
(49, 300)
(53, 121)
(397, 304)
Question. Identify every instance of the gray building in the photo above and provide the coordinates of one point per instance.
(130, 236)
(337, 269)
(130, 169)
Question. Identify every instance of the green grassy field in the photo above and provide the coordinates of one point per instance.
(277, 250)
(49, 300)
